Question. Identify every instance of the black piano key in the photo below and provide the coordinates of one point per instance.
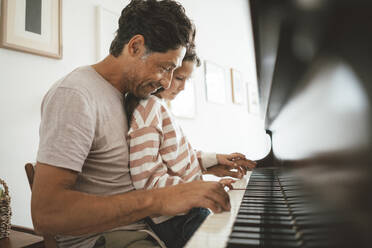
(268, 190)
(264, 217)
(314, 231)
(248, 198)
(265, 194)
(313, 216)
(264, 206)
(292, 184)
(252, 192)
(295, 201)
(265, 183)
(264, 188)
(266, 223)
(293, 197)
(315, 237)
(284, 231)
(263, 212)
(291, 188)
(315, 222)
(255, 176)
(294, 204)
(241, 242)
(268, 181)
(264, 236)
(265, 197)
(321, 244)
(262, 201)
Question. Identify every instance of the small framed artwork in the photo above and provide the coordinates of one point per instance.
(253, 98)
(237, 87)
(215, 83)
(107, 22)
(184, 105)
(32, 26)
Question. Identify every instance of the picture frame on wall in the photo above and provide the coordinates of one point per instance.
(237, 87)
(32, 26)
(215, 82)
(253, 100)
(184, 105)
(107, 25)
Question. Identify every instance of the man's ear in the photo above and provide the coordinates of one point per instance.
(136, 46)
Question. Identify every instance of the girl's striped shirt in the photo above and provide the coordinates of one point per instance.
(160, 154)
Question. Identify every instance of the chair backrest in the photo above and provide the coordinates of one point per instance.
(49, 241)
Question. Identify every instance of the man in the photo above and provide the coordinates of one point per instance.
(82, 192)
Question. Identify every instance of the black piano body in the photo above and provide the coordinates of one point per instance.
(314, 68)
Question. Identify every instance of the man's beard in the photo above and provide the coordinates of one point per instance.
(130, 85)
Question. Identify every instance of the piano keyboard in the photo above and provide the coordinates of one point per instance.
(273, 211)
(276, 211)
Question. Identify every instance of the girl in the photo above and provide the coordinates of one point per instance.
(161, 155)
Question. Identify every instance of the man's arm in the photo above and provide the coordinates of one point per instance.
(57, 209)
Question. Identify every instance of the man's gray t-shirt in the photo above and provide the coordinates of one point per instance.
(83, 128)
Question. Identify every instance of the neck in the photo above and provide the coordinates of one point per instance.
(111, 70)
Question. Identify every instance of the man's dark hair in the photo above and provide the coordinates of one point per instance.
(163, 24)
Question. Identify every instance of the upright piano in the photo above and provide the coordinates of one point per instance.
(314, 189)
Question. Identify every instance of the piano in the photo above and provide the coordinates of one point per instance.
(314, 188)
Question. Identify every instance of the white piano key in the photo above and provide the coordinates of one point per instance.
(215, 230)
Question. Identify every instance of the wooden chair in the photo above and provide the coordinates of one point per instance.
(49, 241)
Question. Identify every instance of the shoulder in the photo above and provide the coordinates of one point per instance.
(84, 80)
(72, 91)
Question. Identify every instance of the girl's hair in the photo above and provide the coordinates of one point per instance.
(130, 104)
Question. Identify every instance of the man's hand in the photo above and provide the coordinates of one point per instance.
(227, 183)
(181, 198)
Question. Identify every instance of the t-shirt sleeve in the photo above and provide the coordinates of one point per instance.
(67, 129)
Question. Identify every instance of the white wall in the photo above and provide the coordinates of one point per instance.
(224, 37)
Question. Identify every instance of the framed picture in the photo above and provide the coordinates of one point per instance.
(237, 87)
(253, 98)
(32, 26)
(215, 83)
(107, 22)
(184, 105)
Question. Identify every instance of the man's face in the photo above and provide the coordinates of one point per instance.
(152, 71)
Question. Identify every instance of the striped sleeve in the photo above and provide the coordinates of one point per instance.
(206, 159)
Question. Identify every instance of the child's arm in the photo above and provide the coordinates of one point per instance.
(206, 159)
